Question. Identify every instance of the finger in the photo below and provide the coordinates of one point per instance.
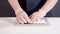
(17, 21)
(28, 19)
(34, 19)
(22, 18)
(20, 21)
(30, 16)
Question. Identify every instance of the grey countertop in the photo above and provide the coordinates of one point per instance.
(7, 27)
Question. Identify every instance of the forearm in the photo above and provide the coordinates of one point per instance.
(49, 5)
(15, 5)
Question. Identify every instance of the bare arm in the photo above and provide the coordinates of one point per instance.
(21, 15)
(15, 5)
(49, 5)
(43, 11)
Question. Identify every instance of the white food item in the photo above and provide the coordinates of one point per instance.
(43, 21)
(40, 21)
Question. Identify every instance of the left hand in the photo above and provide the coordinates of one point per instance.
(36, 16)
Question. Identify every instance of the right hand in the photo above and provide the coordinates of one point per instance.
(22, 17)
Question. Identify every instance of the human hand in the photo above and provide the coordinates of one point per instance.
(22, 17)
(37, 16)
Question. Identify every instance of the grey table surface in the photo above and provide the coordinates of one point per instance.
(7, 27)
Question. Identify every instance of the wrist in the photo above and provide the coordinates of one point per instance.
(42, 12)
(18, 11)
